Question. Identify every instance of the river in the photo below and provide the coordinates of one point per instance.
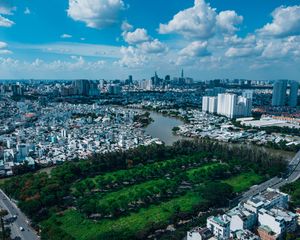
(162, 128)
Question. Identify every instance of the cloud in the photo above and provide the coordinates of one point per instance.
(6, 8)
(154, 46)
(5, 22)
(286, 22)
(138, 36)
(95, 13)
(195, 49)
(3, 51)
(70, 48)
(197, 21)
(244, 51)
(282, 48)
(27, 11)
(227, 21)
(125, 27)
(3, 45)
(201, 21)
(234, 40)
(131, 57)
(65, 35)
(38, 67)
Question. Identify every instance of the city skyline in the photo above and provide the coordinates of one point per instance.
(113, 39)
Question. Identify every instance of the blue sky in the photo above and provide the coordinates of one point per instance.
(68, 39)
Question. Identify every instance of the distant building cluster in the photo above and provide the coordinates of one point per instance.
(280, 97)
(229, 105)
(264, 216)
(156, 82)
(81, 88)
(32, 134)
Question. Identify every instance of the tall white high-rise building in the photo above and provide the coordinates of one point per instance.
(209, 104)
(213, 105)
(226, 103)
(205, 104)
(232, 106)
(279, 93)
(293, 97)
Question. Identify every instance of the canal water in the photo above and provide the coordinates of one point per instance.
(162, 128)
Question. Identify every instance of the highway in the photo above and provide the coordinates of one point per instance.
(21, 221)
(276, 182)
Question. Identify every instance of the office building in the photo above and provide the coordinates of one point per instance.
(279, 93)
(81, 87)
(114, 89)
(293, 96)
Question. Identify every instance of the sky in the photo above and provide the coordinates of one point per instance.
(111, 39)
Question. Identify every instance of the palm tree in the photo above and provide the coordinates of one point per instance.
(3, 213)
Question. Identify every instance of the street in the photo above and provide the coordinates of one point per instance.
(15, 224)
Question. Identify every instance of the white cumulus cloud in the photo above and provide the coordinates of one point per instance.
(286, 22)
(201, 21)
(244, 51)
(95, 13)
(228, 20)
(131, 57)
(195, 49)
(154, 46)
(138, 36)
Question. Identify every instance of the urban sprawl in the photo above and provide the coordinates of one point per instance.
(48, 122)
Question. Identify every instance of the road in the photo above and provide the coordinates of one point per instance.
(20, 221)
(276, 182)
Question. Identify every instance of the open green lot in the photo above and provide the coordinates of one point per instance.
(244, 181)
(130, 195)
(76, 225)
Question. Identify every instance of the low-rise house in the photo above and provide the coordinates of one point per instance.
(199, 234)
(219, 226)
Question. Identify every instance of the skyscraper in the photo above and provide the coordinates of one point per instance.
(279, 93)
(293, 97)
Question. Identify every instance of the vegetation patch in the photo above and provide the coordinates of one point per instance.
(244, 181)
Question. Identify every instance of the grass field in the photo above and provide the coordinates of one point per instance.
(243, 181)
(76, 225)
